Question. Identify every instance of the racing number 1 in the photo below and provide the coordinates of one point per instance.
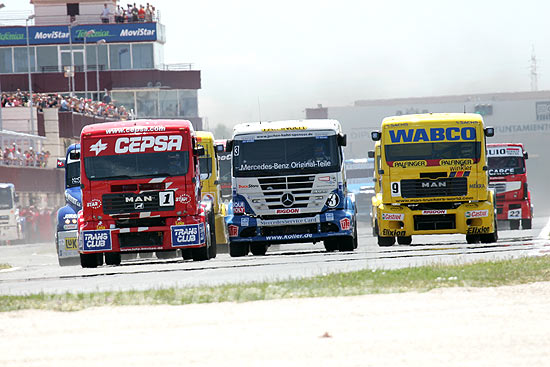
(395, 189)
(166, 198)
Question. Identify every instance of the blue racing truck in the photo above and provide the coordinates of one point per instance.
(288, 186)
(66, 229)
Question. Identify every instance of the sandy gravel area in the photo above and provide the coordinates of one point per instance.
(505, 326)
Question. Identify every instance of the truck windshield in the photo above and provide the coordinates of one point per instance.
(504, 166)
(206, 167)
(6, 201)
(72, 172)
(129, 166)
(433, 151)
(225, 168)
(272, 157)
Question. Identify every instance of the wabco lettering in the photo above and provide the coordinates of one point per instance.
(137, 144)
(432, 134)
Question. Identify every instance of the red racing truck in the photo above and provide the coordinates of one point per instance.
(508, 177)
(140, 185)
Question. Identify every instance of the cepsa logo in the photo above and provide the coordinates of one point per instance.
(140, 144)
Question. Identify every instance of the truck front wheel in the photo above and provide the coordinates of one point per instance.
(203, 253)
(258, 249)
(330, 245)
(526, 223)
(405, 240)
(514, 224)
(386, 241)
(112, 258)
(238, 249)
(91, 260)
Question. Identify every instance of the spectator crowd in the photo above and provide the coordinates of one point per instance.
(130, 14)
(104, 108)
(13, 156)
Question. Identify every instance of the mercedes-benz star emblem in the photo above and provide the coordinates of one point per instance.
(287, 199)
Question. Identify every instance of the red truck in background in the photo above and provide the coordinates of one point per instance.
(508, 177)
(140, 185)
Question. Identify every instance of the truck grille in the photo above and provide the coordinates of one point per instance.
(499, 187)
(434, 222)
(273, 189)
(126, 203)
(432, 188)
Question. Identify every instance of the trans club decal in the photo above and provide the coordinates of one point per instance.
(96, 240)
(187, 235)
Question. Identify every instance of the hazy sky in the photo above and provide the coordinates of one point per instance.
(295, 54)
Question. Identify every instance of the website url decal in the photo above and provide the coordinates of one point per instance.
(289, 237)
(135, 129)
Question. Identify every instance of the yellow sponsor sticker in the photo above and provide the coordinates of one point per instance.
(456, 162)
(286, 128)
(406, 164)
(70, 243)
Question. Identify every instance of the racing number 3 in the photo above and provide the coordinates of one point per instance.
(166, 198)
(395, 189)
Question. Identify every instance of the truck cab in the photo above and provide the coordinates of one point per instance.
(359, 176)
(10, 224)
(433, 178)
(508, 178)
(210, 176)
(289, 186)
(141, 192)
(67, 226)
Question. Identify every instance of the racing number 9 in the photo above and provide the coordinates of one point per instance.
(395, 189)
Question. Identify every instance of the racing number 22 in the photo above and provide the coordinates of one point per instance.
(166, 198)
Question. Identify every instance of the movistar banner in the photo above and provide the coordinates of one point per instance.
(41, 35)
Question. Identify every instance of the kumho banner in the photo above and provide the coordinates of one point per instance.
(41, 35)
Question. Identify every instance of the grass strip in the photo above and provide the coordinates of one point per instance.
(5, 266)
(420, 279)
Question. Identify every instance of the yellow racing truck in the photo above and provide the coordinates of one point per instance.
(210, 175)
(433, 178)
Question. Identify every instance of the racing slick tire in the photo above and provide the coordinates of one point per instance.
(514, 224)
(331, 244)
(490, 237)
(203, 253)
(238, 249)
(91, 260)
(472, 238)
(348, 243)
(187, 253)
(112, 258)
(526, 223)
(386, 241)
(213, 251)
(404, 240)
(259, 248)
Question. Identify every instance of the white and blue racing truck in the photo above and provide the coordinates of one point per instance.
(289, 186)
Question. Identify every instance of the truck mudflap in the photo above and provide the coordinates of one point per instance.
(334, 223)
(67, 244)
(179, 235)
(470, 218)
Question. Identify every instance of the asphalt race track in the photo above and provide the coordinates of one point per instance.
(35, 268)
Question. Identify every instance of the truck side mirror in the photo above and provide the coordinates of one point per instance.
(60, 162)
(375, 135)
(489, 132)
(342, 140)
(370, 154)
(74, 155)
(525, 155)
(229, 146)
(16, 198)
(199, 150)
(219, 148)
